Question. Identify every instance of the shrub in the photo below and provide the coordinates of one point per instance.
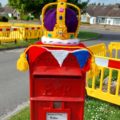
(25, 17)
(14, 17)
(3, 19)
(85, 23)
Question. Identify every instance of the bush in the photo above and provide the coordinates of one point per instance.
(85, 23)
(0, 18)
(31, 17)
(3, 19)
(14, 17)
(25, 17)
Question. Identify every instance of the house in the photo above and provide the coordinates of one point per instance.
(87, 18)
(9, 11)
(107, 15)
(1, 11)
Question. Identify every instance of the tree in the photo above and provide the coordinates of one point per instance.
(99, 4)
(35, 6)
(0, 5)
(94, 4)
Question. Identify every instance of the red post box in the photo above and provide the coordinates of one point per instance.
(58, 65)
(56, 92)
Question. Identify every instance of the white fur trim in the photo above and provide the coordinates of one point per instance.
(47, 40)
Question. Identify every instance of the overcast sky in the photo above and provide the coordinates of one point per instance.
(103, 1)
(106, 1)
(4, 2)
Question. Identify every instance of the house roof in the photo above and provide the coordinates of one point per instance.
(108, 11)
(5, 10)
(8, 9)
(1, 9)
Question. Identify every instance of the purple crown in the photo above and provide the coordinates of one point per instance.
(70, 20)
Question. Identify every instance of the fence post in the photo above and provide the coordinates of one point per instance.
(15, 41)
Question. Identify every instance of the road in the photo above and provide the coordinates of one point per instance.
(14, 85)
(106, 36)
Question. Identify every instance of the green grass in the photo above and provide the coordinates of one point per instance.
(18, 44)
(99, 110)
(23, 115)
(106, 74)
(84, 35)
(94, 110)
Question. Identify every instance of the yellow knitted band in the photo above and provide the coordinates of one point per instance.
(61, 10)
(61, 47)
(22, 63)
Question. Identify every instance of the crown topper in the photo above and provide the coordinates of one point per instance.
(61, 25)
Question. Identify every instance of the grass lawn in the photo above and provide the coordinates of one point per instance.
(99, 110)
(83, 35)
(18, 44)
(23, 115)
(94, 110)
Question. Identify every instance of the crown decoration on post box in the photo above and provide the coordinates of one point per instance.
(61, 20)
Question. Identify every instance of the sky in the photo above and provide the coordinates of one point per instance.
(106, 1)
(3, 2)
(102, 1)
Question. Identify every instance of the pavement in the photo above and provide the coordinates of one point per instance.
(14, 85)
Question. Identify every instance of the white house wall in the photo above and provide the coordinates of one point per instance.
(116, 21)
(100, 20)
(84, 18)
(109, 21)
(92, 20)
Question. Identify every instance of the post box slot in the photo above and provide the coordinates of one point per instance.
(55, 76)
(53, 72)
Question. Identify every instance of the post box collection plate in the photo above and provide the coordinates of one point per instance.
(56, 116)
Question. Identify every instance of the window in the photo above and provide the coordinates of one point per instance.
(116, 21)
(101, 20)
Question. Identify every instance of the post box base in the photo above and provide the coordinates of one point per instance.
(57, 108)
